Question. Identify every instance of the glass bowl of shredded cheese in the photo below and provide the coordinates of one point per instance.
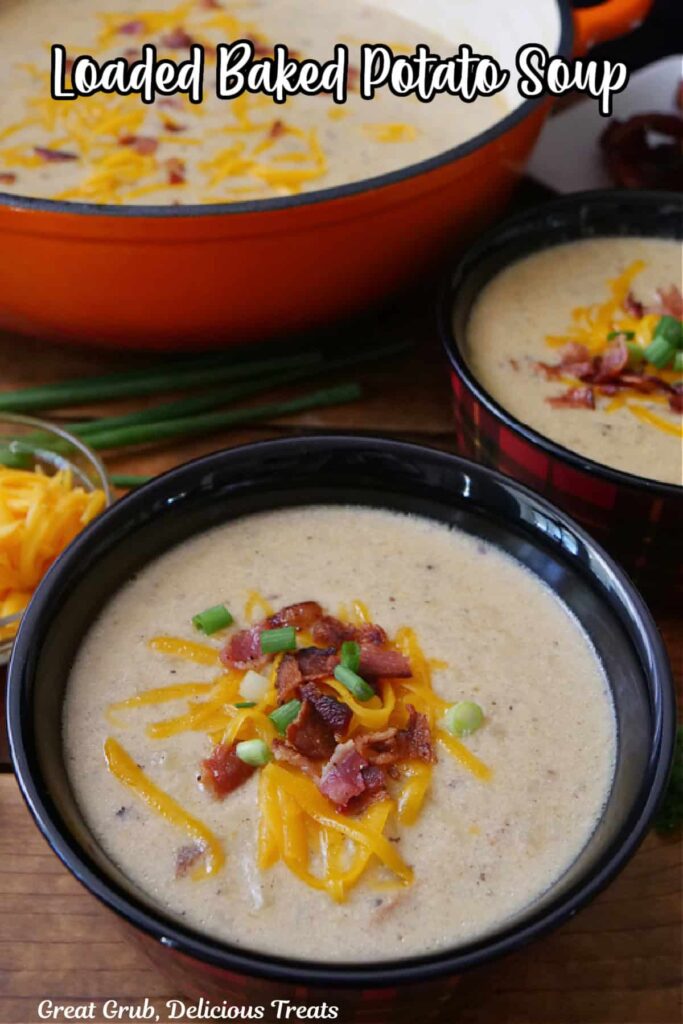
(51, 487)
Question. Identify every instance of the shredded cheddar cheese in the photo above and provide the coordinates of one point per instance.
(39, 516)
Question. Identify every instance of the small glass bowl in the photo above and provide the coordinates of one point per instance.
(26, 443)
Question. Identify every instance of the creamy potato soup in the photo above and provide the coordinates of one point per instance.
(583, 342)
(114, 149)
(400, 741)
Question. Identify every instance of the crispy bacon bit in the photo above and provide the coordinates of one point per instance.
(316, 663)
(172, 126)
(54, 156)
(417, 737)
(171, 102)
(612, 362)
(277, 129)
(636, 156)
(342, 777)
(331, 632)
(391, 745)
(676, 398)
(378, 747)
(283, 752)
(376, 662)
(132, 28)
(177, 39)
(222, 772)
(175, 169)
(243, 649)
(288, 679)
(574, 398)
(310, 734)
(145, 145)
(211, 5)
(375, 789)
(7, 177)
(187, 857)
(671, 301)
(641, 382)
(301, 616)
(353, 78)
(369, 633)
(333, 712)
(633, 307)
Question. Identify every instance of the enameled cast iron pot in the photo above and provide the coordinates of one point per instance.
(211, 276)
(638, 520)
(362, 471)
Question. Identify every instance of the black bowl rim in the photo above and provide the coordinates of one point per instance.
(269, 968)
(448, 300)
(498, 129)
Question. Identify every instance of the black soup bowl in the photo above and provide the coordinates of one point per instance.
(339, 470)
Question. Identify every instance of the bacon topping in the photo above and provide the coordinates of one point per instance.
(132, 28)
(671, 301)
(288, 679)
(223, 771)
(331, 632)
(342, 777)
(613, 361)
(277, 129)
(375, 789)
(316, 663)
(301, 616)
(54, 156)
(7, 177)
(172, 126)
(145, 145)
(375, 662)
(187, 857)
(177, 39)
(310, 734)
(391, 745)
(574, 398)
(633, 307)
(243, 649)
(288, 755)
(175, 169)
(333, 712)
(676, 398)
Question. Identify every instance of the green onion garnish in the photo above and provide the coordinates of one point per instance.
(626, 335)
(678, 362)
(285, 715)
(463, 718)
(636, 353)
(245, 704)
(350, 655)
(358, 687)
(254, 752)
(15, 460)
(659, 352)
(213, 619)
(671, 330)
(275, 640)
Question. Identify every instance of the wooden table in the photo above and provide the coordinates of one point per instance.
(619, 962)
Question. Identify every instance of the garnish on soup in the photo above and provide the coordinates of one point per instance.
(623, 353)
(340, 721)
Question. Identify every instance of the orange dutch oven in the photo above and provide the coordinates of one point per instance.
(211, 276)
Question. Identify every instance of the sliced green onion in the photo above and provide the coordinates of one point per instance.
(671, 330)
(285, 715)
(678, 362)
(254, 752)
(463, 718)
(254, 686)
(358, 687)
(350, 655)
(659, 352)
(213, 619)
(626, 335)
(12, 459)
(636, 353)
(245, 704)
(275, 640)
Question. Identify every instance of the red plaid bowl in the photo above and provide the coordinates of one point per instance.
(638, 520)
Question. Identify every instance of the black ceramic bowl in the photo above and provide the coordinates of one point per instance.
(365, 472)
(638, 520)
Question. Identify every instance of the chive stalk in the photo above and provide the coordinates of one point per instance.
(659, 352)
(275, 640)
(212, 619)
(283, 716)
(678, 362)
(128, 481)
(671, 330)
(256, 753)
(636, 353)
(354, 683)
(245, 704)
(350, 655)
(463, 718)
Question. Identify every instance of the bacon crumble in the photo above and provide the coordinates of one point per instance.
(223, 771)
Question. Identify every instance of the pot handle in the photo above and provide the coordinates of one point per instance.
(606, 21)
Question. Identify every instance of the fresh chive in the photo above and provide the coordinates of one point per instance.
(188, 426)
(464, 718)
(636, 353)
(350, 655)
(127, 481)
(245, 704)
(671, 330)
(659, 352)
(358, 687)
(256, 753)
(626, 335)
(212, 619)
(283, 716)
(678, 362)
(275, 640)
(12, 459)
(136, 383)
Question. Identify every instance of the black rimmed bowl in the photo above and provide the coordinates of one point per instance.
(637, 520)
(345, 470)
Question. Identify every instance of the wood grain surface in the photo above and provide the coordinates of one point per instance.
(618, 962)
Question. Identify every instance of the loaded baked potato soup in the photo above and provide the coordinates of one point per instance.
(339, 733)
(116, 149)
(584, 343)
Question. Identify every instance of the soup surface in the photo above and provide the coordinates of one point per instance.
(560, 339)
(484, 845)
(113, 149)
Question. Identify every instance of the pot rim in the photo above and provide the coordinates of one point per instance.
(254, 206)
(175, 935)
(448, 300)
